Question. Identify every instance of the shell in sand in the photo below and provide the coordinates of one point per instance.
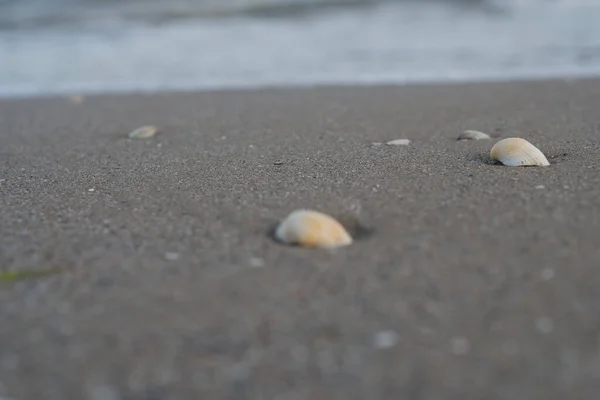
(309, 228)
(398, 142)
(144, 132)
(76, 99)
(517, 152)
(473, 135)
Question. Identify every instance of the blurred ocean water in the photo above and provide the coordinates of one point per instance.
(83, 46)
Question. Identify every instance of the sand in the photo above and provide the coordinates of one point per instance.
(475, 280)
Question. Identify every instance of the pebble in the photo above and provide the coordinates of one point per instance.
(496, 326)
(91, 190)
(547, 274)
(257, 262)
(172, 256)
(144, 132)
(460, 345)
(35, 335)
(239, 371)
(540, 187)
(300, 354)
(398, 142)
(510, 348)
(10, 363)
(325, 360)
(103, 392)
(544, 325)
(385, 339)
(426, 331)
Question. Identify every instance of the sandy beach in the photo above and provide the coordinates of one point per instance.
(475, 280)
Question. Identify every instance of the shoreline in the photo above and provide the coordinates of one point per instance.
(476, 280)
(187, 87)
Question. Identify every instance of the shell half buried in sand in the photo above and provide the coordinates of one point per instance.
(312, 229)
(517, 152)
(76, 99)
(473, 135)
(144, 132)
(398, 142)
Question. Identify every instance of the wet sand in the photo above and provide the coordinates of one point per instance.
(484, 279)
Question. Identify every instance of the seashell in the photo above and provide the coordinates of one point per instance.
(76, 99)
(312, 229)
(385, 339)
(398, 142)
(144, 132)
(473, 135)
(516, 152)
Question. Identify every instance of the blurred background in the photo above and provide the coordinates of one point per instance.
(83, 46)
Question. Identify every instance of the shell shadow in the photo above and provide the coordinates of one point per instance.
(483, 159)
(355, 227)
(486, 160)
(271, 234)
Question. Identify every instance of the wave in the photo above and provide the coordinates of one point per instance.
(398, 42)
(29, 14)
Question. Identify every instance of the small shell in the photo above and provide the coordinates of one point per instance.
(398, 142)
(144, 132)
(76, 99)
(516, 152)
(312, 229)
(473, 135)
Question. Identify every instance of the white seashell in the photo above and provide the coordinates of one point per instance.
(312, 229)
(385, 339)
(516, 152)
(460, 345)
(144, 132)
(473, 135)
(398, 142)
(257, 262)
